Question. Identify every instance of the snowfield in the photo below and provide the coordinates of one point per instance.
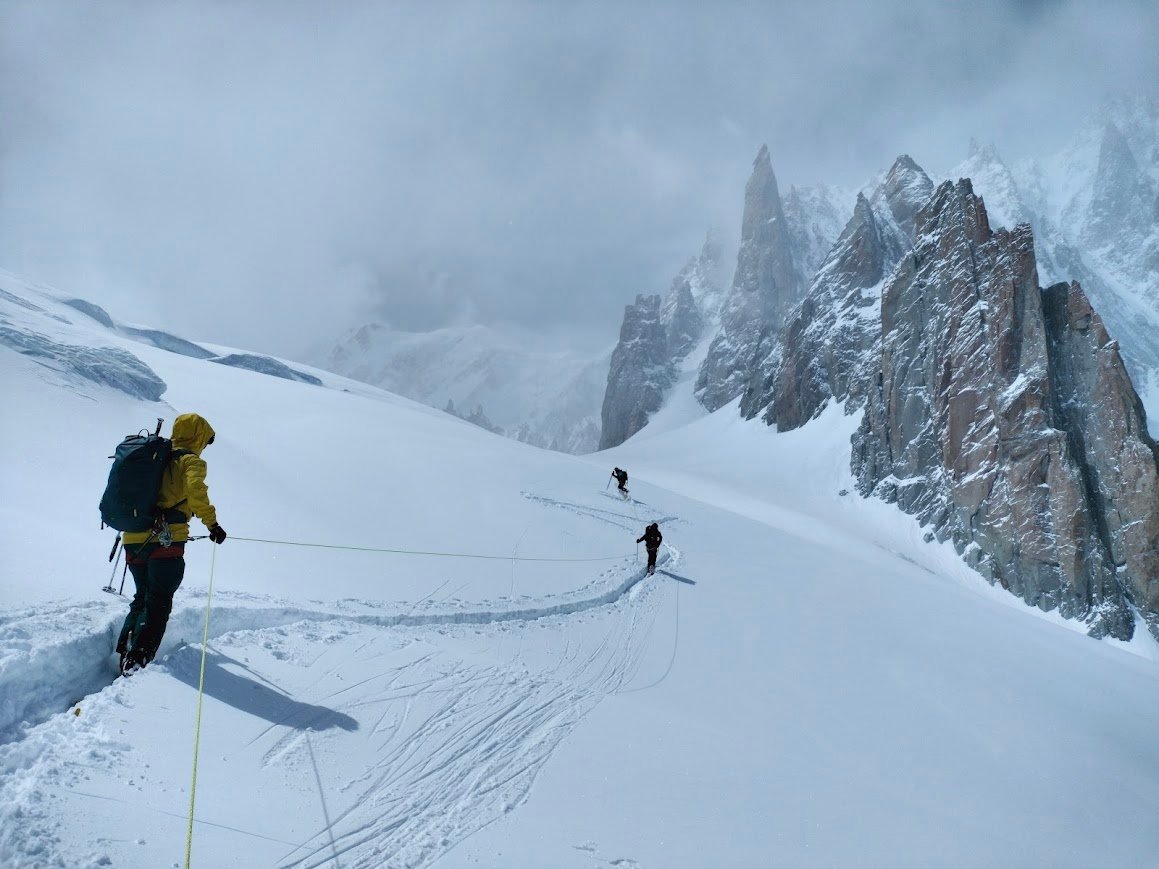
(487, 677)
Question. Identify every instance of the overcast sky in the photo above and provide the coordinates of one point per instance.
(265, 174)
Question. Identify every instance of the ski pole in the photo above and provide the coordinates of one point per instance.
(608, 483)
(124, 570)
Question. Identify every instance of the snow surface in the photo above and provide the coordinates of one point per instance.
(805, 682)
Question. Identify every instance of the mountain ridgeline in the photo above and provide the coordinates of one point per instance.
(656, 336)
(1001, 413)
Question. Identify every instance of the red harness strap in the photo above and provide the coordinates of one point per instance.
(177, 550)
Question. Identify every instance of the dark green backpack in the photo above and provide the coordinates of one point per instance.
(130, 499)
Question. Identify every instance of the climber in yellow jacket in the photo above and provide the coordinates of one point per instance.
(156, 558)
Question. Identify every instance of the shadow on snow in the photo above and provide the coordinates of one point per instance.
(250, 696)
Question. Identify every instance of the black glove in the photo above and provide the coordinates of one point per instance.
(217, 533)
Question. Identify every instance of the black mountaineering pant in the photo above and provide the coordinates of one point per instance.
(157, 570)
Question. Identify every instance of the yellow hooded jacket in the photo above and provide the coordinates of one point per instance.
(184, 480)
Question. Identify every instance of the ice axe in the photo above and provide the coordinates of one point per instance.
(116, 554)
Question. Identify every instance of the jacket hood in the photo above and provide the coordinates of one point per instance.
(191, 432)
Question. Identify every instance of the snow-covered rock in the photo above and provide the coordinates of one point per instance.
(1095, 213)
(766, 285)
(640, 374)
(1005, 419)
(646, 360)
(829, 348)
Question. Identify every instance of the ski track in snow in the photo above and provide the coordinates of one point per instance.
(456, 745)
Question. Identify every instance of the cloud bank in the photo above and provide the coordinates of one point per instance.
(267, 174)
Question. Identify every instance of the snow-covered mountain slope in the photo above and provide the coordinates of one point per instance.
(804, 682)
(547, 398)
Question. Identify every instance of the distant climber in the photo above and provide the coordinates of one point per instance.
(652, 539)
(156, 557)
(621, 480)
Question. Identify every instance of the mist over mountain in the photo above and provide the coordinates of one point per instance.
(548, 398)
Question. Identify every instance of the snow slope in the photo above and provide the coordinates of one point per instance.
(804, 682)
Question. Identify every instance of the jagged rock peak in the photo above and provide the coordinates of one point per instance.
(681, 315)
(1108, 436)
(765, 287)
(762, 200)
(998, 418)
(704, 274)
(904, 191)
(762, 160)
(828, 350)
(954, 206)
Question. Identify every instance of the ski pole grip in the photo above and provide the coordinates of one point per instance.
(159, 421)
(116, 543)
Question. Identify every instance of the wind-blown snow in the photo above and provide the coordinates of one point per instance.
(804, 682)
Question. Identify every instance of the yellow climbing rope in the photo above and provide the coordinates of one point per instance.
(422, 552)
(197, 726)
(209, 605)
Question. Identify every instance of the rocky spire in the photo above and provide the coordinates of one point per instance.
(640, 373)
(997, 415)
(646, 362)
(906, 189)
(681, 316)
(829, 349)
(765, 286)
(1106, 428)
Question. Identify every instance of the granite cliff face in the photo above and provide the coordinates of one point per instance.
(829, 348)
(640, 373)
(765, 287)
(1003, 418)
(1095, 216)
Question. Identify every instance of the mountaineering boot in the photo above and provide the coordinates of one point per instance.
(133, 661)
(127, 665)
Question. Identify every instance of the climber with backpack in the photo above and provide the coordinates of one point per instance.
(155, 487)
(622, 481)
(652, 539)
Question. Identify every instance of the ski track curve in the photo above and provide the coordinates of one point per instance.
(453, 747)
